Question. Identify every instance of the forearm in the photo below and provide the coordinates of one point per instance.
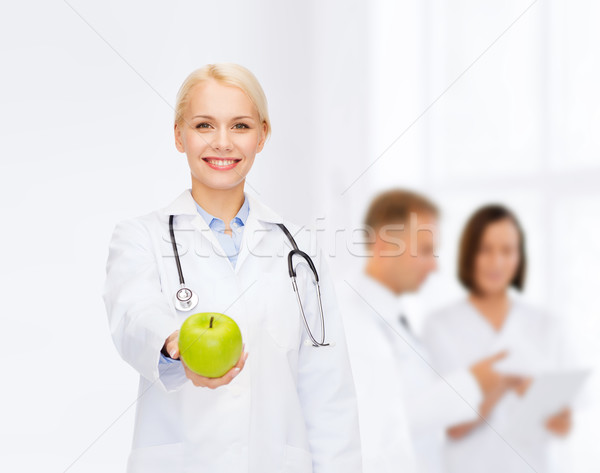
(140, 318)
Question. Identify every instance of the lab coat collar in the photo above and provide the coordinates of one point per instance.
(379, 297)
(260, 211)
(259, 214)
(185, 204)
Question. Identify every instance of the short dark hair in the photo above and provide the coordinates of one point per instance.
(395, 206)
(470, 242)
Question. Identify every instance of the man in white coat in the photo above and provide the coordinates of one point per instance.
(404, 405)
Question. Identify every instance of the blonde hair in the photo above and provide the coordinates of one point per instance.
(226, 73)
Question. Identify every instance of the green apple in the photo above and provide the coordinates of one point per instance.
(210, 344)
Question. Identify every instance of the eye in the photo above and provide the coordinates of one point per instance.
(240, 126)
(202, 125)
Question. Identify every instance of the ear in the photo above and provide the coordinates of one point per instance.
(263, 138)
(178, 139)
(378, 244)
(373, 242)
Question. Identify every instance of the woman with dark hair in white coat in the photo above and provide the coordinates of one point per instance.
(492, 259)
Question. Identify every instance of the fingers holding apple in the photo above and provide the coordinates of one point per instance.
(213, 383)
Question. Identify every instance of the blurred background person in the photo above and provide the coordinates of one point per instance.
(404, 405)
(492, 260)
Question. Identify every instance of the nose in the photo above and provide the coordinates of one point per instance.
(497, 260)
(222, 142)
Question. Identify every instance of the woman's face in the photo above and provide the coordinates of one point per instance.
(220, 134)
(498, 257)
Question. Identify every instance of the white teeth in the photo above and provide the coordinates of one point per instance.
(221, 162)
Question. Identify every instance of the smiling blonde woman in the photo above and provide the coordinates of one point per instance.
(289, 406)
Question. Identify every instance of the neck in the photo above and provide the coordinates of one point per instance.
(490, 298)
(493, 306)
(221, 203)
(373, 270)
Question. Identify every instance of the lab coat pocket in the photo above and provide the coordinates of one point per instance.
(297, 460)
(157, 458)
(281, 317)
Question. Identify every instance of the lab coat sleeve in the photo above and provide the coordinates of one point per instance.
(325, 386)
(139, 315)
(171, 373)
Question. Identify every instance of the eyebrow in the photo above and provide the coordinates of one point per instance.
(234, 118)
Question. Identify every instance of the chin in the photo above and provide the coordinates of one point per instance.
(220, 184)
(226, 186)
(496, 289)
(413, 288)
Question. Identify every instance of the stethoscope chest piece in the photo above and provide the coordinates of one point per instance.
(185, 299)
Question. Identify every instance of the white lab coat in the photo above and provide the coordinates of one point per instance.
(458, 336)
(404, 406)
(291, 409)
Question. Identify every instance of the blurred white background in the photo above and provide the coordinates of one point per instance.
(468, 101)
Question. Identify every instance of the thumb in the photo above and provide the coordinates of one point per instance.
(173, 350)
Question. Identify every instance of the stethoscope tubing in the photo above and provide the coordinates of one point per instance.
(291, 270)
(181, 280)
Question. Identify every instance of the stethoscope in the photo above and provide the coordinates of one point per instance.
(185, 299)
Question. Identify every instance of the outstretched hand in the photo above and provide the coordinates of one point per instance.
(172, 347)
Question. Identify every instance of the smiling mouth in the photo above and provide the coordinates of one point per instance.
(221, 163)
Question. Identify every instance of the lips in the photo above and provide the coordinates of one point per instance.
(221, 164)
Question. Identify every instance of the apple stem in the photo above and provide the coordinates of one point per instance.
(211, 321)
